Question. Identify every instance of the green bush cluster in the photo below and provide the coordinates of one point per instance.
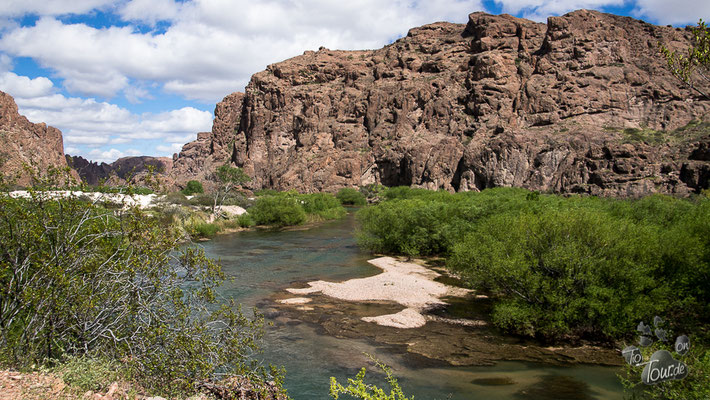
(193, 187)
(291, 208)
(205, 230)
(557, 265)
(351, 196)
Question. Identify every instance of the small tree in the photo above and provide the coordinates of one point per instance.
(228, 178)
(695, 66)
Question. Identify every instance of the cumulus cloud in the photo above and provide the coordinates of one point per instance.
(23, 86)
(111, 155)
(212, 47)
(149, 11)
(17, 8)
(676, 12)
(539, 10)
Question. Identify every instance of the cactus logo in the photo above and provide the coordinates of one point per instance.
(661, 367)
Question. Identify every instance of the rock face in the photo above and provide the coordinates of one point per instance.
(118, 171)
(581, 104)
(23, 143)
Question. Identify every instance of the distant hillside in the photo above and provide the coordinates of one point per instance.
(93, 173)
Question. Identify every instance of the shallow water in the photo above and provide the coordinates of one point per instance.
(266, 262)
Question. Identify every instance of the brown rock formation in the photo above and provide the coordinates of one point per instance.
(23, 143)
(118, 171)
(582, 104)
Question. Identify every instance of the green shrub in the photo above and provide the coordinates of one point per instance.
(317, 202)
(193, 187)
(70, 274)
(277, 211)
(245, 220)
(358, 389)
(565, 270)
(205, 230)
(351, 196)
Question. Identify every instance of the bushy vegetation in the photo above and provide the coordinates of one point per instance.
(277, 211)
(79, 280)
(291, 208)
(350, 196)
(559, 266)
(358, 389)
(193, 187)
(205, 230)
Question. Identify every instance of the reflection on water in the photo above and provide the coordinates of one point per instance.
(265, 262)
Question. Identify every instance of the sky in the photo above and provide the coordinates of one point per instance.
(142, 77)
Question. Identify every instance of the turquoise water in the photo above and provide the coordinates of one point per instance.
(267, 262)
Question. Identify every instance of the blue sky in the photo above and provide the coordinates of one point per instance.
(141, 77)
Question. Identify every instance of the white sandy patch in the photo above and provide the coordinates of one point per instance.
(407, 318)
(140, 200)
(406, 283)
(295, 300)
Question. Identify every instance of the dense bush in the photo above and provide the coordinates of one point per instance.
(351, 196)
(76, 279)
(245, 220)
(205, 230)
(291, 208)
(193, 187)
(277, 211)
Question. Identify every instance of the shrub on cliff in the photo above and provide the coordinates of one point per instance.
(350, 196)
(78, 279)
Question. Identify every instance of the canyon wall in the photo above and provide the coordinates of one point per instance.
(582, 104)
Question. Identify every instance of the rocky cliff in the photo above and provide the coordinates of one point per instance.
(23, 143)
(120, 170)
(581, 104)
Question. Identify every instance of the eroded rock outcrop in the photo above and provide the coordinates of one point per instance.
(117, 172)
(23, 143)
(581, 104)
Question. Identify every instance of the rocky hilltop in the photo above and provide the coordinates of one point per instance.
(118, 171)
(23, 143)
(582, 104)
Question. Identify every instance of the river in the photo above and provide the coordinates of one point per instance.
(265, 262)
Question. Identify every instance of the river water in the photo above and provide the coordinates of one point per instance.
(266, 262)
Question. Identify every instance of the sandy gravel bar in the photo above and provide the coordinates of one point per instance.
(406, 283)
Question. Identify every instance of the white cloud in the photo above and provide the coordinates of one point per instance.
(673, 12)
(111, 155)
(539, 10)
(149, 11)
(23, 86)
(16, 8)
(212, 47)
(172, 148)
